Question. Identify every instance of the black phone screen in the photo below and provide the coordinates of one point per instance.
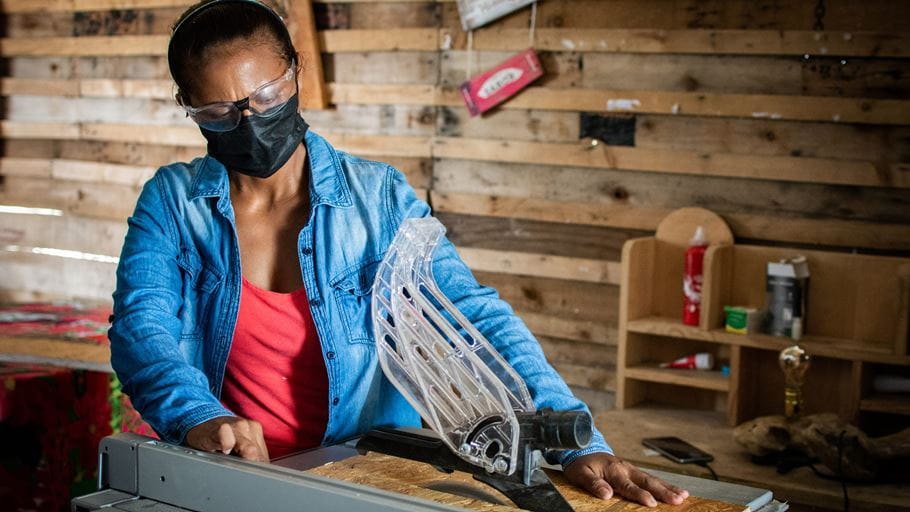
(676, 449)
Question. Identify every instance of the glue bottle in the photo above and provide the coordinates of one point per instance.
(693, 277)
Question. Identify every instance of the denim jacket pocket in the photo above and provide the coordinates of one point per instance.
(199, 281)
(353, 296)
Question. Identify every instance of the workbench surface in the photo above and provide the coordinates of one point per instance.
(707, 430)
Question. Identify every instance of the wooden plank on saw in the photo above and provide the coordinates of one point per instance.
(420, 481)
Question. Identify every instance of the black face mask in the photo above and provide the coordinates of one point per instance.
(259, 146)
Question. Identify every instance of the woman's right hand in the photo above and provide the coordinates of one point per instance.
(230, 434)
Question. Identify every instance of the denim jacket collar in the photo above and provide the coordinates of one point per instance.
(327, 181)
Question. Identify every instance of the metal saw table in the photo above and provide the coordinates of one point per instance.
(139, 473)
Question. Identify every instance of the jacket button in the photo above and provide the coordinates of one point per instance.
(316, 302)
(307, 251)
(335, 401)
(330, 355)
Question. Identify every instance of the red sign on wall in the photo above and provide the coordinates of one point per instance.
(485, 91)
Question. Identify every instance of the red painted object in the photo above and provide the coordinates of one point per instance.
(485, 91)
(693, 276)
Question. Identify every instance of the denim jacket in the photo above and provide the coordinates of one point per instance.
(179, 281)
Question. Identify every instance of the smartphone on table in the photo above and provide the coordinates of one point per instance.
(677, 450)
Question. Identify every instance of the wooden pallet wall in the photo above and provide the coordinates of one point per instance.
(794, 135)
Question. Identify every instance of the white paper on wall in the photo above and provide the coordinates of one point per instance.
(476, 13)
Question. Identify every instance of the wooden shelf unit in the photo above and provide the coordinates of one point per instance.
(856, 324)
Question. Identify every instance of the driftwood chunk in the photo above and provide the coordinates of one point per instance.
(839, 446)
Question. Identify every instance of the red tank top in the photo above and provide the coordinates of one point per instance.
(275, 372)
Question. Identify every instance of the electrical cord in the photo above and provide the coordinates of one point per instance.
(840, 471)
(708, 467)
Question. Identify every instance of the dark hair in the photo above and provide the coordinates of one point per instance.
(211, 24)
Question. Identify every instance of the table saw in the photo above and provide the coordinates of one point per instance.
(140, 473)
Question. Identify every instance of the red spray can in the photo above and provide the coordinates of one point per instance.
(693, 277)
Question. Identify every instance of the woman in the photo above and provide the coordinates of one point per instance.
(242, 320)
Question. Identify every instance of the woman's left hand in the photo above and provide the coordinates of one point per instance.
(603, 475)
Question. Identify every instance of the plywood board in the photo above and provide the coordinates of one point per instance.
(416, 479)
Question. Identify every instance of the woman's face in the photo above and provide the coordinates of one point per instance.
(234, 72)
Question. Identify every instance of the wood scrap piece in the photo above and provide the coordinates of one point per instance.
(413, 479)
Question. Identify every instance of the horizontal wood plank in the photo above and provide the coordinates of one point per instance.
(87, 5)
(501, 234)
(542, 324)
(655, 190)
(665, 161)
(795, 230)
(757, 106)
(98, 5)
(811, 170)
(98, 200)
(95, 46)
(543, 265)
(76, 170)
(53, 275)
(576, 301)
(694, 41)
(66, 232)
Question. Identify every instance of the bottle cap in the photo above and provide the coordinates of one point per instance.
(699, 237)
(704, 361)
(796, 329)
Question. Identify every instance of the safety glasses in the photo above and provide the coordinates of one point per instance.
(265, 101)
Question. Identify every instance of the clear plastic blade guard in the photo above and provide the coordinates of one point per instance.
(465, 391)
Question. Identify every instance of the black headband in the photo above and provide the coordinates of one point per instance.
(195, 12)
